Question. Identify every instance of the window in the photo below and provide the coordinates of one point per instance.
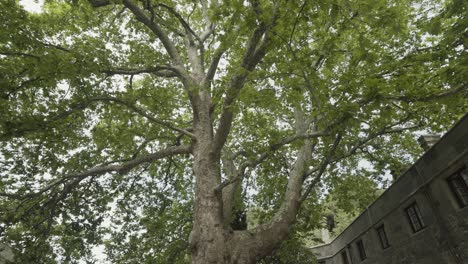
(459, 185)
(350, 252)
(360, 247)
(382, 237)
(344, 257)
(414, 217)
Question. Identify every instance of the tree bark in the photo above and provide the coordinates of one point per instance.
(211, 240)
(250, 246)
(229, 192)
(207, 239)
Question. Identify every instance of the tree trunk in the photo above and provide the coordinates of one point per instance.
(211, 239)
(207, 239)
(208, 236)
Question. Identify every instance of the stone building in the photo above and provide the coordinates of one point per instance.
(421, 219)
(5, 254)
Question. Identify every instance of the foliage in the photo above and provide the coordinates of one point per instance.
(91, 97)
(292, 251)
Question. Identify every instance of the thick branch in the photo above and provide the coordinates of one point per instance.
(213, 66)
(427, 98)
(321, 169)
(16, 128)
(331, 158)
(160, 71)
(263, 156)
(12, 53)
(143, 113)
(120, 168)
(362, 142)
(266, 237)
(126, 166)
(143, 18)
(256, 50)
(230, 191)
(209, 29)
(182, 21)
(99, 3)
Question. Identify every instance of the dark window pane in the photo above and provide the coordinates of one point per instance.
(414, 217)
(361, 250)
(344, 257)
(418, 214)
(459, 186)
(383, 237)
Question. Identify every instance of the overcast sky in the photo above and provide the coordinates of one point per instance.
(32, 5)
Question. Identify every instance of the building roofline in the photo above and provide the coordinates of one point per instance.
(413, 166)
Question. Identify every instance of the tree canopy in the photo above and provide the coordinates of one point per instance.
(156, 129)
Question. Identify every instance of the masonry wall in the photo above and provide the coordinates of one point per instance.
(445, 236)
(5, 254)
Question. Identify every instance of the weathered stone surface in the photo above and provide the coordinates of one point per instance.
(5, 254)
(427, 141)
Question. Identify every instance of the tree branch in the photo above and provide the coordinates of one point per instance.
(99, 3)
(267, 236)
(143, 18)
(182, 21)
(13, 53)
(16, 127)
(256, 50)
(263, 156)
(219, 52)
(143, 113)
(209, 29)
(160, 71)
(362, 142)
(102, 169)
(230, 191)
(427, 98)
(213, 66)
(321, 169)
(126, 166)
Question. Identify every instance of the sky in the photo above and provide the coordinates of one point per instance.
(32, 5)
(35, 6)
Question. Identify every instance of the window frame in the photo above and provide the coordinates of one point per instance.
(344, 257)
(459, 187)
(414, 217)
(361, 250)
(383, 238)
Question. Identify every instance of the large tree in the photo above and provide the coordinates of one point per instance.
(132, 123)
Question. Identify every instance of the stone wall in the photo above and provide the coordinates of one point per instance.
(5, 254)
(444, 238)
